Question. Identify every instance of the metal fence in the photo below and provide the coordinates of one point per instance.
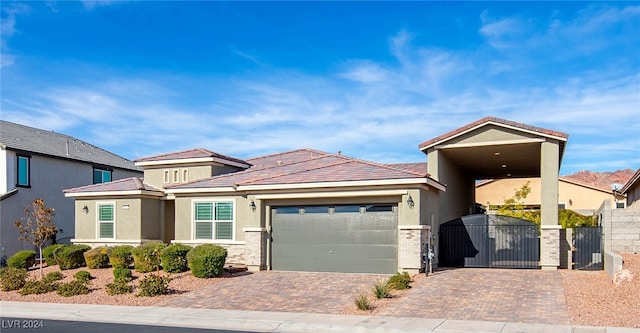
(588, 248)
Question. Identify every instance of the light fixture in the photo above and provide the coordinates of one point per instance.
(252, 205)
(85, 209)
(410, 202)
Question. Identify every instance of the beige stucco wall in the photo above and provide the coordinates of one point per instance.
(578, 198)
(155, 176)
(49, 177)
(491, 133)
(459, 197)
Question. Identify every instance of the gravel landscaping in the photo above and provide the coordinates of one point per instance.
(592, 298)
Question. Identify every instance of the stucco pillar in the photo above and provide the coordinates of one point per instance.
(411, 247)
(255, 256)
(550, 230)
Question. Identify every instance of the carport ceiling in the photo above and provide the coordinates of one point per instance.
(497, 161)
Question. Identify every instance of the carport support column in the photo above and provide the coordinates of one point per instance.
(255, 246)
(411, 247)
(550, 230)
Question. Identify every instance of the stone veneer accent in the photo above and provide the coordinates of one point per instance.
(550, 246)
(255, 248)
(411, 241)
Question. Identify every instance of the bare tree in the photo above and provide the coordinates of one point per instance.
(37, 226)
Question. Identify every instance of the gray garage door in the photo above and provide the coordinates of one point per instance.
(342, 238)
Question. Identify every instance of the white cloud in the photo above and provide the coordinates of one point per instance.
(92, 4)
(8, 29)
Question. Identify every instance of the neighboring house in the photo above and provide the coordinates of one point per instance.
(322, 211)
(36, 163)
(308, 210)
(632, 190)
(573, 195)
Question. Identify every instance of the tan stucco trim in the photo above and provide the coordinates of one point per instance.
(254, 229)
(330, 194)
(197, 160)
(200, 190)
(489, 143)
(550, 227)
(515, 128)
(405, 181)
(200, 241)
(114, 193)
(414, 227)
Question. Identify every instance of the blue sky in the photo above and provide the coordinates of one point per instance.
(371, 79)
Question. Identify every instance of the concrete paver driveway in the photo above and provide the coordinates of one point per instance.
(512, 295)
(506, 295)
(330, 293)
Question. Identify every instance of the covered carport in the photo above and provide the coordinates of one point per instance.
(494, 148)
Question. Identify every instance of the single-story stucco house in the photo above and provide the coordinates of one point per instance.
(308, 210)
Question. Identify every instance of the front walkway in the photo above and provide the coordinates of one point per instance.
(513, 295)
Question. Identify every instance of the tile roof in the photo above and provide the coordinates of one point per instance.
(476, 123)
(303, 166)
(417, 167)
(37, 141)
(127, 184)
(634, 179)
(191, 153)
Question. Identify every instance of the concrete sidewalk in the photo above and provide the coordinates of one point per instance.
(284, 322)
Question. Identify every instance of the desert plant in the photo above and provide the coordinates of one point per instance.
(97, 258)
(362, 302)
(12, 278)
(22, 259)
(146, 257)
(47, 253)
(82, 276)
(154, 285)
(174, 258)
(38, 287)
(119, 287)
(53, 276)
(381, 290)
(206, 261)
(399, 281)
(73, 288)
(37, 227)
(122, 274)
(121, 257)
(70, 256)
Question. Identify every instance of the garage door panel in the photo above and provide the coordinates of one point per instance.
(340, 242)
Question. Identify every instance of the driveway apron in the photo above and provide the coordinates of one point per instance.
(329, 293)
(511, 295)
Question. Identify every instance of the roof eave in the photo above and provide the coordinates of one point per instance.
(114, 193)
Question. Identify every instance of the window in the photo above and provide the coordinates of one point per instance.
(214, 220)
(24, 169)
(106, 220)
(562, 206)
(347, 209)
(185, 175)
(166, 176)
(101, 176)
(176, 176)
(620, 204)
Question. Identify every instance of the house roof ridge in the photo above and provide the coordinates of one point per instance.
(118, 181)
(204, 151)
(289, 152)
(585, 184)
(386, 166)
(296, 172)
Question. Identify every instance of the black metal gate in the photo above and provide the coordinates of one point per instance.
(588, 245)
(489, 241)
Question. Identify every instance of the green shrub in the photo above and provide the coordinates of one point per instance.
(174, 258)
(47, 253)
(381, 290)
(154, 285)
(53, 277)
(146, 257)
(97, 258)
(206, 261)
(23, 259)
(120, 256)
(119, 287)
(399, 281)
(82, 276)
(362, 302)
(12, 278)
(122, 274)
(73, 288)
(38, 287)
(70, 256)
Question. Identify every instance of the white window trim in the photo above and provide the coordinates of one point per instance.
(213, 231)
(176, 175)
(185, 175)
(104, 203)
